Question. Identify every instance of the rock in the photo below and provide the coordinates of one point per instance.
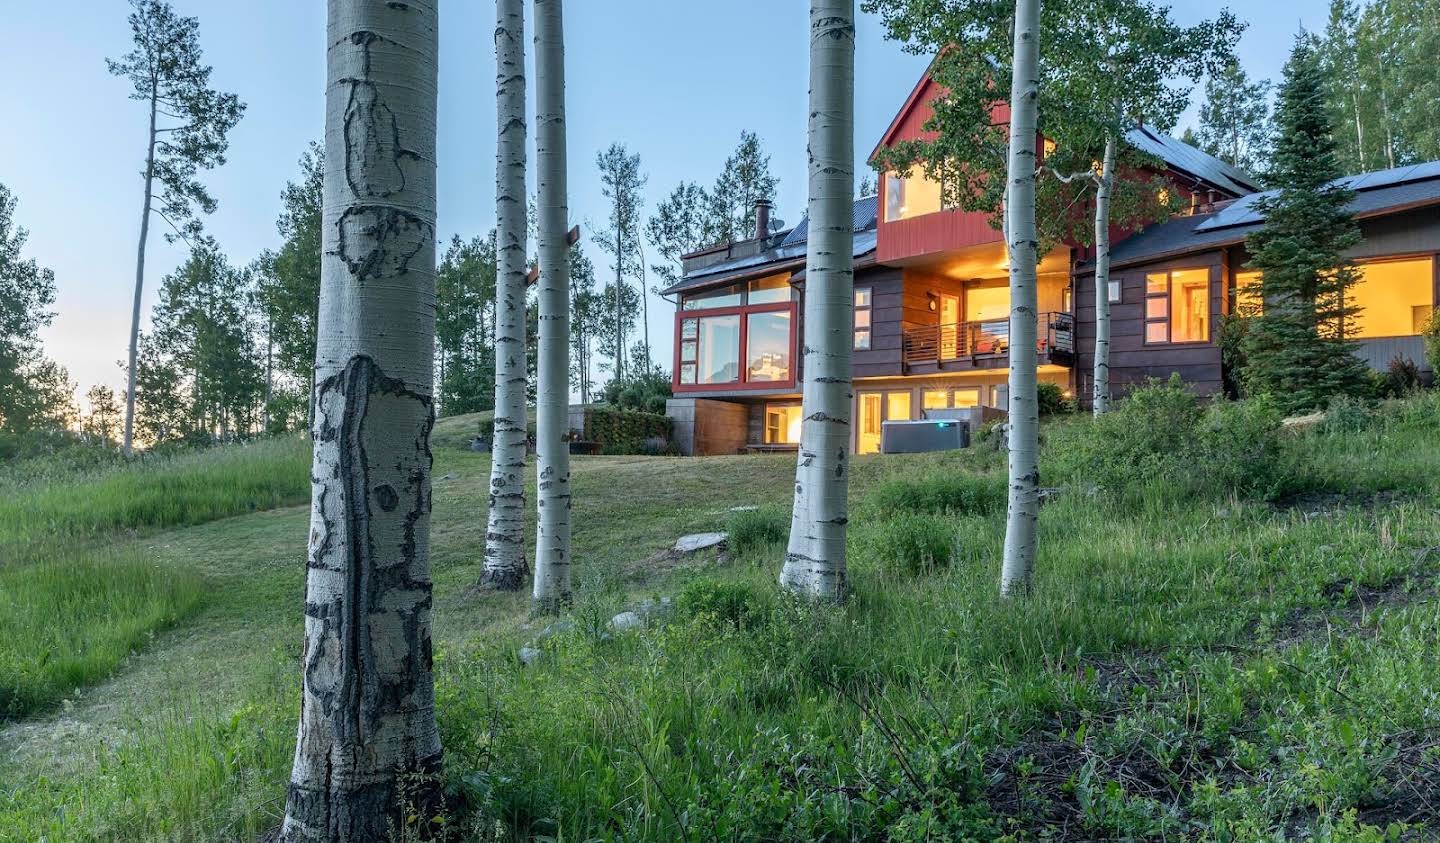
(479, 445)
(556, 628)
(529, 655)
(448, 477)
(744, 509)
(698, 541)
(626, 621)
(1300, 424)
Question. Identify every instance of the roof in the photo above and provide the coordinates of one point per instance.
(792, 248)
(1186, 158)
(1377, 194)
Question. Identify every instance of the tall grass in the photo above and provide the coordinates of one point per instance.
(71, 614)
(176, 491)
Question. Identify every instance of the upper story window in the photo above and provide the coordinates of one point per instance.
(737, 335)
(913, 197)
(863, 298)
(1177, 306)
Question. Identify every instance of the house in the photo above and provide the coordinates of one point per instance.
(932, 305)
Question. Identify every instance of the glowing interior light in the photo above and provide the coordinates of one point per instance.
(792, 431)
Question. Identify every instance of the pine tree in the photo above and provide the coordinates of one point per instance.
(1297, 351)
(1235, 118)
(623, 185)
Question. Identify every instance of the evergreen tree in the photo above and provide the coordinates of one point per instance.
(33, 390)
(1235, 118)
(465, 325)
(102, 423)
(588, 320)
(730, 204)
(288, 280)
(1297, 351)
(623, 183)
(677, 229)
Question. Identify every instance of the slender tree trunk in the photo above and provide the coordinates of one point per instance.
(552, 448)
(815, 556)
(1359, 134)
(1101, 399)
(505, 564)
(1024, 505)
(645, 305)
(619, 296)
(368, 751)
(269, 372)
(129, 444)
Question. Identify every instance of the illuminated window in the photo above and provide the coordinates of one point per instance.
(876, 408)
(909, 198)
(1249, 300)
(863, 301)
(945, 399)
(1177, 306)
(710, 350)
(772, 290)
(782, 424)
(723, 297)
(936, 399)
(1396, 298)
(767, 340)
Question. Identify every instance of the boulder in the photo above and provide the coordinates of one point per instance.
(1301, 424)
(699, 541)
(626, 621)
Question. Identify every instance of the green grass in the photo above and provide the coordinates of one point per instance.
(1203, 668)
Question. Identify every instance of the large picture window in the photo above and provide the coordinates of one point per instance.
(1395, 298)
(782, 424)
(1177, 306)
(737, 336)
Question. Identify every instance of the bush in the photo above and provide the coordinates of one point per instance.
(1052, 401)
(727, 602)
(626, 431)
(1432, 342)
(956, 494)
(1347, 416)
(643, 393)
(1401, 378)
(1162, 438)
(909, 543)
(755, 529)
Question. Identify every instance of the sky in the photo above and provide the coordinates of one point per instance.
(676, 81)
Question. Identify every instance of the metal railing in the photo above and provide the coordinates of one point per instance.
(967, 340)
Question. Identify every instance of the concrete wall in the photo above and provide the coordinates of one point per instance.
(704, 427)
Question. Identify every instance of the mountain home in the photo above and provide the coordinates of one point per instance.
(932, 299)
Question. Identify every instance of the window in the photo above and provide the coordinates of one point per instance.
(1396, 298)
(767, 340)
(1115, 295)
(1249, 300)
(909, 198)
(772, 290)
(1177, 306)
(863, 308)
(875, 409)
(710, 350)
(962, 398)
(782, 424)
(987, 303)
(723, 297)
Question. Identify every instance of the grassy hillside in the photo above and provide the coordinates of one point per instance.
(1243, 660)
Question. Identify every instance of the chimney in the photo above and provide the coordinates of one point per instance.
(762, 219)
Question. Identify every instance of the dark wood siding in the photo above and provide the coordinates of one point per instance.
(1132, 362)
(887, 305)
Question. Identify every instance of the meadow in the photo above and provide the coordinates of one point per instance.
(1232, 637)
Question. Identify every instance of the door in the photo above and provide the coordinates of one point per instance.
(867, 433)
(949, 326)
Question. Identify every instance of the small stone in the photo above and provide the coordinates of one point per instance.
(699, 541)
(626, 621)
(529, 655)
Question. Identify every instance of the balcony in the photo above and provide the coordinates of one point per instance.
(962, 346)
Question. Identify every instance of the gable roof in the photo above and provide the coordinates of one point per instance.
(790, 250)
(910, 104)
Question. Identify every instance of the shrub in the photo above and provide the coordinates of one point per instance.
(754, 529)
(957, 493)
(1432, 342)
(643, 393)
(1401, 378)
(909, 543)
(1347, 415)
(625, 431)
(727, 602)
(1052, 401)
(1161, 437)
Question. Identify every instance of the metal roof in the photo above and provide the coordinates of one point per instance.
(791, 248)
(1183, 156)
(1374, 191)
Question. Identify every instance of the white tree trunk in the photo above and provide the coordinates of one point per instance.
(128, 446)
(1101, 397)
(552, 448)
(815, 557)
(368, 742)
(505, 565)
(1024, 434)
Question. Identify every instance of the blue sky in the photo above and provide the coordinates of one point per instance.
(675, 80)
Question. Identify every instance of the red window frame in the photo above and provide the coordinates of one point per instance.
(743, 384)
